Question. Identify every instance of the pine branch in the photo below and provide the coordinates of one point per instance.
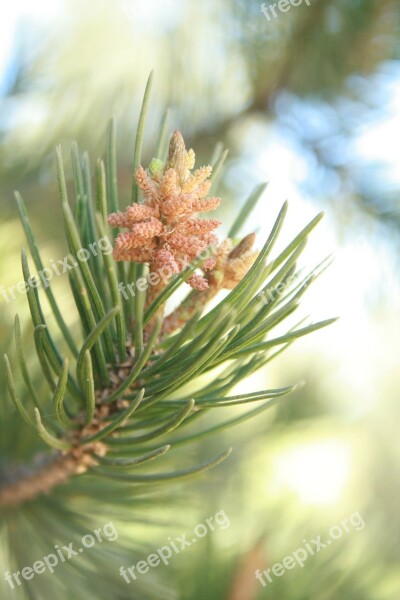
(116, 392)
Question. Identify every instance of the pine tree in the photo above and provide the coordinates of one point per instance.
(77, 451)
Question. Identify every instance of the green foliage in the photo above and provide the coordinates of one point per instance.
(150, 400)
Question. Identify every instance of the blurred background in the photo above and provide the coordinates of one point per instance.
(309, 101)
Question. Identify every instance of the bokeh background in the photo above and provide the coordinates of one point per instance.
(310, 102)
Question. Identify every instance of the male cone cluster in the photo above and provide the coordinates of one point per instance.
(167, 233)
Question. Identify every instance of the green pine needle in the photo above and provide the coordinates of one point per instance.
(124, 382)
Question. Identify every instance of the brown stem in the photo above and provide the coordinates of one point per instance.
(24, 485)
(39, 481)
(45, 473)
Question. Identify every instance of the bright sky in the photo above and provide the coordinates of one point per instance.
(11, 13)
